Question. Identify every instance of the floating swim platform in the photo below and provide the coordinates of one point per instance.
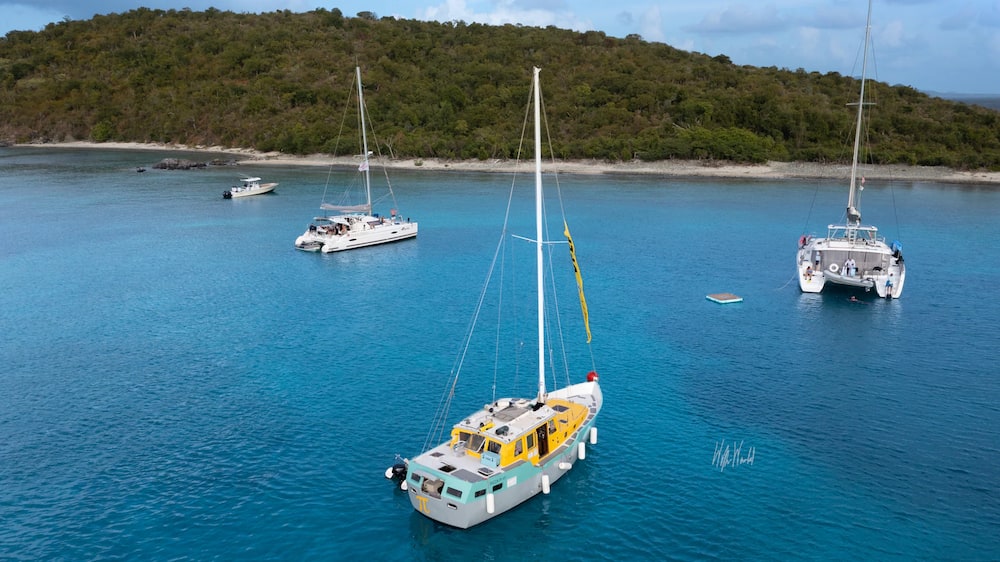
(724, 298)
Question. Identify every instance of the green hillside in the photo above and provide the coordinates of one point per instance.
(280, 81)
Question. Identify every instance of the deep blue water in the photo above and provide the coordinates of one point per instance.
(177, 382)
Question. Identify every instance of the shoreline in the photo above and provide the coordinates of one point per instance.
(665, 168)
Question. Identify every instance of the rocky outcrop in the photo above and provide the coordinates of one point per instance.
(178, 164)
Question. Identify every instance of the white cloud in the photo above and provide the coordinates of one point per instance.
(893, 34)
(740, 19)
(651, 25)
(535, 14)
(451, 10)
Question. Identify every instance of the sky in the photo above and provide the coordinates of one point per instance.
(936, 46)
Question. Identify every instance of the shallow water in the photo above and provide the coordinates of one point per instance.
(179, 382)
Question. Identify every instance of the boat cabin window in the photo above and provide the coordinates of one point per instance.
(475, 442)
(432, 487)
(552, 426)
(480, 493)
(497, 486)
(415, 477)
(531, 440)
(560, 408)
(453, 492)
(518, 447)
(493, 446)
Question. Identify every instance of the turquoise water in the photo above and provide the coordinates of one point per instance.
(177, 382)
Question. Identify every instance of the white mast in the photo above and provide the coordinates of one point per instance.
(853, 214)
(538, 238)
(364, 142)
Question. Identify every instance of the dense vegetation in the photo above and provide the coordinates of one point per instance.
(280, 81)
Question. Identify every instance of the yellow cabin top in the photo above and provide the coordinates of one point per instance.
(512, 430)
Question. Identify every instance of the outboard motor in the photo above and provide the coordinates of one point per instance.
(397, 472)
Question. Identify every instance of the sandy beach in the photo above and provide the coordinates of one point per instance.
(667, 168)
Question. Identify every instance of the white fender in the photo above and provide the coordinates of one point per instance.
(581, 451)
(593, 436)
(491, 504)
(545, 484)
(403, 486)
(565, 466)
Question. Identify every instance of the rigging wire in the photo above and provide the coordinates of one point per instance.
(344, 197)
(499, 268)
(336, 145)
(439, 423)
(892, 182)
(562, 210)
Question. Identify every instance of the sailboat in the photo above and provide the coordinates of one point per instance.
(852, 254)
(511, 449)
(348, 227)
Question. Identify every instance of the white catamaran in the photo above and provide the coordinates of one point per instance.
(513, 448)
(354, 226)
(852, 254)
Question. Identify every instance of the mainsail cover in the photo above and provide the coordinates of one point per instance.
(346, 208)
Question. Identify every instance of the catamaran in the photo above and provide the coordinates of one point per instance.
(351, 226)
(852, 254)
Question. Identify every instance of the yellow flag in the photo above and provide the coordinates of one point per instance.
(579, 278)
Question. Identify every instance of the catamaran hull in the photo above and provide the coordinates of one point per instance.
(820, 263)
(306, 245)
(384, 235)
(315, 241)
(516, 484)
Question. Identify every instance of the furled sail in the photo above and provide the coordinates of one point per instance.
(579, 279)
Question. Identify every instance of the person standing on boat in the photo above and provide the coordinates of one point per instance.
(817, 260)
(888, 287)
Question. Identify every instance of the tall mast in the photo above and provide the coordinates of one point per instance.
(364, 141)
(853, 213)
(539, 262)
